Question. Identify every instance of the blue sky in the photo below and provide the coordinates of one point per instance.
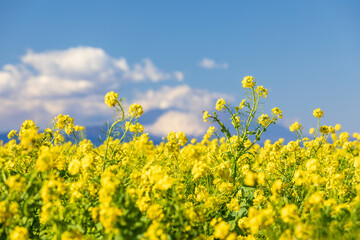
(64, 56)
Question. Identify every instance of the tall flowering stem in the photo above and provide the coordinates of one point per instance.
(135, 111)
(240, 143)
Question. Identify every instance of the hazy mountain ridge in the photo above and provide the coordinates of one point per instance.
(95, 133)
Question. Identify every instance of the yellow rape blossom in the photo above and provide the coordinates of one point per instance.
(276, 187)
(74, 167)
(220, 104)
(211, 130)
(311, 130)
(277, 112)
(248, 82)
(261, 91)
(136, 110)
(242, 104)
(289, 214)
(264, 120)
(12, 134)
(134, 127)
(206, 115)
(234, 205)
(111, 99)
(72, 235)
(182, 139)
(221, 230)
(16, 183)
(318, 113)
(324, 129)
(63, 120)
(295, 126)
(155, 212)
(19, 233)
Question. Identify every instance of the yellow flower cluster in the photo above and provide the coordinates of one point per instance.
(136, 110)
(295, 126)
(134, 127)
(248, 82)
(277, 112)
(220, 104)
(19, 233)
(111, 99)
(206, 115)
(217, 187)
(318, 113)
(261, 91)
(242, 104)
(264, 120)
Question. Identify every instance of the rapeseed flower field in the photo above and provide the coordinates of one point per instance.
(223, 186)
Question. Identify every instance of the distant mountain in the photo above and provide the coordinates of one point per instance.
(97, 135)
(274, 132)
(3, 137)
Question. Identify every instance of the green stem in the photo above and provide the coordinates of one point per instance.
(76, 141)
(317, 128)
(108, 140)
(120, 140)
(253, 110)
(255, 141)
(233, 116)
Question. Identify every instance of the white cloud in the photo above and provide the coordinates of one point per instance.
(179, 76)
(11, 77)
(47, 83)
(184, 105)
(93, 64)
(180, 97)
(79, 61)
(52, 86)
(122, 64)
(189, 123)
(147, 70)
(210, 64)
(74, 81)
(87, 110)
